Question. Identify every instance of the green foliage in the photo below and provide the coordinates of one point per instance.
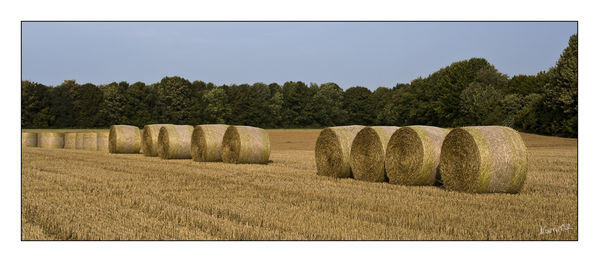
(217, 108)
(528, 117)
(326, 107)
(357, 103)
(377, 101)
(139, 102)
(480, 105)
(87, 102)
(469, 92)
(174, 96)
(35, 105)
(113, 110)
(61, 105)
(525, 85)
(275, 109)
(296, 96)
(561, 99)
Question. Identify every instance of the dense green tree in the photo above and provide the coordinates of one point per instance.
(217, 108)
(480, 105)
(35, 105)
(326, 106)
(87, 102)
(524, 85)
(113, 107)
(469, 92)
(239, 103)
(61, 105)
(139, 102)
(275, 109)
(198, 104)
(175, 96)
(480, 101)
(357, 104)
(296, 96)
(380, 98)
(526, 118)
(561, 96)
(259, 97)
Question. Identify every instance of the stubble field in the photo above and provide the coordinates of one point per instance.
(84, 195)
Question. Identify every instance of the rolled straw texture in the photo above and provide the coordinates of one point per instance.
(70, 140)
(413, 155)
(103, 141)
(90, 141)
(367, 157)
(29, 139)
(332, 150)
(174, 142)
(79, 141)
(141, 134)
(246, 145)
(484, 159)
(124, 139)
(149, 140)
(50, 140)
(206, 143)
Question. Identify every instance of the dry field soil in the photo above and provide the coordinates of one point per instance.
(84, 195)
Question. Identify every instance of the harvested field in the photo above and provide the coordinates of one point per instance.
(68, 194)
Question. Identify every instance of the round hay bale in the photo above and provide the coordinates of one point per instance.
(79, 141)
(149, 142)
(50, 140)
(141, 134)
(70, 140)
(413, 154)
(174, 142)
(484, 159)
(206, 143)
(103, 141)
(124, 139)
(367, 156)
(90, 141)
(332, 150)
(245, 145)
(29, 139)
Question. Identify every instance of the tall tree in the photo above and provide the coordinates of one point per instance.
(239, 103)
(296, 96)
(358, 106)
(380, 98)
(175, 99)
(113, 108)
(87, 101)
(61, 104)
(561, 99)
(35, 105)
(259, 105)
(138, 104)
(326, 107)
(217, 107)
(198, 104)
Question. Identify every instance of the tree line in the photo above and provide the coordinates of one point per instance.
(469, 92)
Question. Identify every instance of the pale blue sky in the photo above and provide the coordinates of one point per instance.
(369, 54)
